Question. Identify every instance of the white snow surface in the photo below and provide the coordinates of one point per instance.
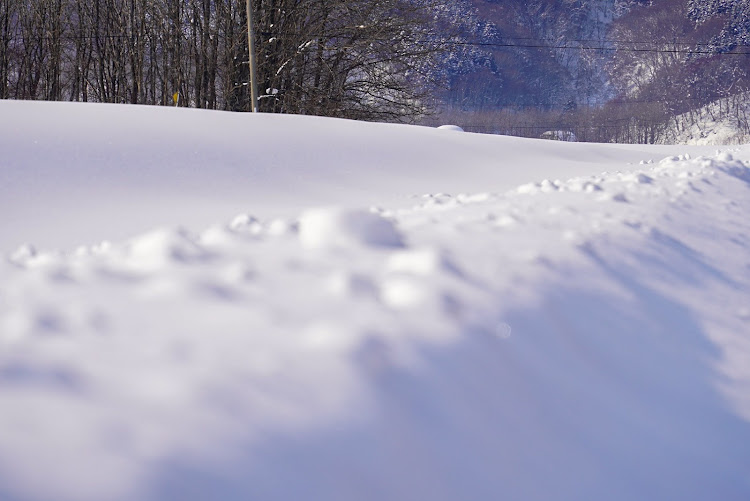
(74, 173)
(397, 313)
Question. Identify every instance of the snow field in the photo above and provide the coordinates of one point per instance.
(74, 173)
(583, 338)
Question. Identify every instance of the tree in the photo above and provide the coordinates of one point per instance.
(8, 17)
(677, 55)
(355, 59)
(347, 58)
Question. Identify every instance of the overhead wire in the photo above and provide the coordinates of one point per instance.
(603, 45)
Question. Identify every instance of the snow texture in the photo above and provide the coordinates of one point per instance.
(550, 321)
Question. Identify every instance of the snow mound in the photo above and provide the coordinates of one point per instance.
(418, 262)
(454, 128)
(164, 247)
(343, 228)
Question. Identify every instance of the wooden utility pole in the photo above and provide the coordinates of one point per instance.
(251, 50)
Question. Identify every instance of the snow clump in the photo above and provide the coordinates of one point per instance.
(331, 228)
(455, 128)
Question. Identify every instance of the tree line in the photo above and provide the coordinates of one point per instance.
(630, 71)
(617, 122)
(391, 60)
(347, 58)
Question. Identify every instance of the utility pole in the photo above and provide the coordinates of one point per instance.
(251, 50)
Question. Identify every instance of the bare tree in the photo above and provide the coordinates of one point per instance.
(8, 17)
(356, 58)
(348, 58)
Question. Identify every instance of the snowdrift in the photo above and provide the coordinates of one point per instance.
(465, 317)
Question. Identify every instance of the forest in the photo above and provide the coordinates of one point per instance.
(613, 70)
(347, 58)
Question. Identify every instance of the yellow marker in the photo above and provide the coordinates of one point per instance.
(175, 97)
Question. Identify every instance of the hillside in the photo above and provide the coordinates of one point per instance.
(723, 122)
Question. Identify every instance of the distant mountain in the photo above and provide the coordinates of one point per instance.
(538, 53)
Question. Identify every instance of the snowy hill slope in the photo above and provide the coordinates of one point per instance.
(724, 122)
(532, 339)
(111, 172)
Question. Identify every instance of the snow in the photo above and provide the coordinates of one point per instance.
(83, 164)
(719, 123)
(365, 311)
(455, 128)
(560, 135)
(334, 227)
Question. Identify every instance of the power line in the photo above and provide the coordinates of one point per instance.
(673, 41)
(571, 44)
(602, 45)
(602, 48)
